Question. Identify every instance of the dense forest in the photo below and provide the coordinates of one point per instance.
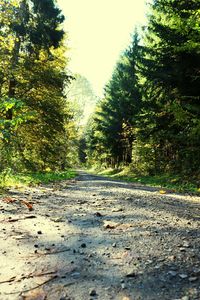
(148, 118)
(35, 116)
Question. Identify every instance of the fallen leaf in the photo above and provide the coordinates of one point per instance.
(9, 200)
(26, 203)
(35, 295)
(162, 192)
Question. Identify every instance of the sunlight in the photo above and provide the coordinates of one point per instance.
(98, 32)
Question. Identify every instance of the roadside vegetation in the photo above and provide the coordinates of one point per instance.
(149, 118)
(32, 179)
(166, 182)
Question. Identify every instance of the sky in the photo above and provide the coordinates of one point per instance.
(98, 32)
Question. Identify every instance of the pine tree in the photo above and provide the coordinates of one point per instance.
(172, 89)
(116, 114)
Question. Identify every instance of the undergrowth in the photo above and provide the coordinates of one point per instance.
(9, 179)
(174, 183)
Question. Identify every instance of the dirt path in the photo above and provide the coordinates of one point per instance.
(93, 238)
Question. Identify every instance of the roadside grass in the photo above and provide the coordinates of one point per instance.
(31, 179)
(174, 183)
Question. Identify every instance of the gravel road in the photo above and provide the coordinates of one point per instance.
(96, 238)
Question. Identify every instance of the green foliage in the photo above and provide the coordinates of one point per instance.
(34, 114)
(110, 133)
(23, 179)
(171, 183)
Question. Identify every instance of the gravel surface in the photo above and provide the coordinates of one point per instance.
(96, 238)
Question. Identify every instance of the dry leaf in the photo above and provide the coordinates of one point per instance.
(35, 295)
(162, 192)
(29, 205)
(9, 200)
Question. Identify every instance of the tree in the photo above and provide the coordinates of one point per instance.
(171, 89)
(115, 117)
(34, 112)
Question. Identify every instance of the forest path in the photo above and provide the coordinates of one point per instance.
(96, 238)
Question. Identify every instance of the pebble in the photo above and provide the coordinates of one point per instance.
(192, 279)
(183, 276)
(98, 214)
(127, 248)
(93, 292)
(75, 274)
(186, 245)
(123, 286)
(131, 274)
(185, 298)
(182, 249)
(83, 245)
(172, 273)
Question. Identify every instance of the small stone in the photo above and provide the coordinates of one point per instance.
(157, 266)
(196, 271)
(182, 249)
(192, 279)
(93, 292)
(172, 273)
(127, 248)
(123, 286)
(75, 274)
(114, 245)
(185, 298)
(183, 276)
(186, 245)
(98, 214)
(172, 257)
(131, 275)
(83, 245)
(36, 246)
(117, 209)
(128, 198)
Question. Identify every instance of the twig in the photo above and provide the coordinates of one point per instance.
(34, 288)
(19, 219)
(55, 252)
(27, 277)
(8, 280)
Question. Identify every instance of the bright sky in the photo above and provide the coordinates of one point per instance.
(99, 30)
